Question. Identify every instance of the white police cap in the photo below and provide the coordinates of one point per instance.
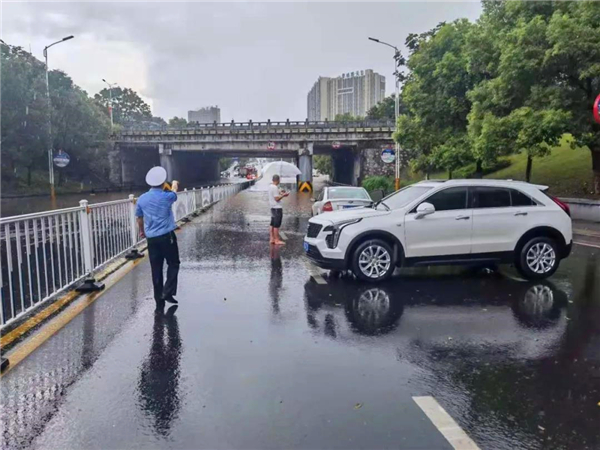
(156, 176)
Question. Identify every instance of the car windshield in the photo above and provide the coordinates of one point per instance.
(403, 197)
(357, 193)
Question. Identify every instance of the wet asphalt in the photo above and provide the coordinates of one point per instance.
(260, 355)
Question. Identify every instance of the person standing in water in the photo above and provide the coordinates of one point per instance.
(275, 197)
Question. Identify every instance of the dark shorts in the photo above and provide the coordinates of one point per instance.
(276, 217)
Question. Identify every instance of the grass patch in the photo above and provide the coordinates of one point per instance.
(567, 171)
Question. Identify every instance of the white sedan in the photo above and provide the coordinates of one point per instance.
(334, 198)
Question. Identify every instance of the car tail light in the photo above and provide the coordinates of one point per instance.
(327, 207)
(563, 205)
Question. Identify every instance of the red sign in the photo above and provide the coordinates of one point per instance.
(271, 146)
(336, 145)
(597, 109)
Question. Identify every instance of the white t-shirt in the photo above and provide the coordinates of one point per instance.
(274, 192)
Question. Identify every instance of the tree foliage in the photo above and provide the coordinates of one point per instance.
(78, 126)
(516, 80)
(128, 107)
(384, 110)
(323, 164)
(178, 122)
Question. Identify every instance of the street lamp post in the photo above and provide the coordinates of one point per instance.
(397, 62)
(50, 162)
(110, 86)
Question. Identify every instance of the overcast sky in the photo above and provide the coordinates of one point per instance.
(255, 60)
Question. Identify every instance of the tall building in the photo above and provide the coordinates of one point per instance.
(209, 114)
(351, 93)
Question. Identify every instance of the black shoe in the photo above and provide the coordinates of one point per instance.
(170, 299)
(171, 311)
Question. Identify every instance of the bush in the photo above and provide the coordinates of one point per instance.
(378, 182)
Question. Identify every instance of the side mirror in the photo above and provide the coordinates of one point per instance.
(424, 209)
(313, 200)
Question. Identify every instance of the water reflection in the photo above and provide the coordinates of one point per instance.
(158, 386)
(377, 310)
(518, 358)
(276, 279)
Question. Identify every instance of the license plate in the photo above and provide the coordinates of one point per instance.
(351, 206)
(306, 246)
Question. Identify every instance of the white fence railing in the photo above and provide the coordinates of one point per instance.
(43, 254)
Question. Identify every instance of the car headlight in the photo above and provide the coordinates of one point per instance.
(334, 237)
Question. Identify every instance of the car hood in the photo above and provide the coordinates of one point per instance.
(349, 214)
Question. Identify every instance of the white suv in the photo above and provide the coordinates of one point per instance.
(446, 222)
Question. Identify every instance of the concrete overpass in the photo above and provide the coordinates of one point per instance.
(191, 154)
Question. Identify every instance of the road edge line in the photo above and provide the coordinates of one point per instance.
(63, 318)
(53, 321)
(445, 424)
(586, 244)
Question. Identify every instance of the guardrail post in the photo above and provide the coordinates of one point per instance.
(186, 204)
(133, 253)
(89, 284)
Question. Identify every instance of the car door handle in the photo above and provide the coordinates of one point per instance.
(520, 213)
(462, 218)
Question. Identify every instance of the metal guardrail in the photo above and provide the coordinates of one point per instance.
(233, 126)
(46, 253)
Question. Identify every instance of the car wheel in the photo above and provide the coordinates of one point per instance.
(538, 258)
(373, 261)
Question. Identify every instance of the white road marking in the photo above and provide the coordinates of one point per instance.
(282, 234)
(586, 233)
(314, 273)
(586, 244)
(446, 425)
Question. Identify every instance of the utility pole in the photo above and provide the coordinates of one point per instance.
(110, 110)
(397, 75)
(50, 151)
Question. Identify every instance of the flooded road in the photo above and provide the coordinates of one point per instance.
(261, 353)
(26, 205)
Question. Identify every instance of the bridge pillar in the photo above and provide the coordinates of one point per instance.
(167, 161)
(305, 164)
(115, 163)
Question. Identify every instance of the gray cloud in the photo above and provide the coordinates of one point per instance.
(255, 60)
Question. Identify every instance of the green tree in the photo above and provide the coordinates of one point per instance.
(347, 117)
(178, 122)
(434, 124)
(385, 109)
(323, 164)
(24, 112)
(128, 106)
(79, 127)
(541, 72)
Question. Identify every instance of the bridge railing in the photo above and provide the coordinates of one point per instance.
(47, 253)
(232, 126)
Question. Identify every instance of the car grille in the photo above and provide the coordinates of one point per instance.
(313, 230)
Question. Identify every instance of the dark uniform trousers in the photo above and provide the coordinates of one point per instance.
(163, 248)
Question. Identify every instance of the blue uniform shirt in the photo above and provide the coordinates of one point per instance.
(155, 207)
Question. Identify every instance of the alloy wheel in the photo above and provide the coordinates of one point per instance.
(541, 258)
(374, 261)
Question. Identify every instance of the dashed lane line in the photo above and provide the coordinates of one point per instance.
(445, 424)
(314, 273)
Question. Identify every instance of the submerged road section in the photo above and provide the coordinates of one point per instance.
(266, 351)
